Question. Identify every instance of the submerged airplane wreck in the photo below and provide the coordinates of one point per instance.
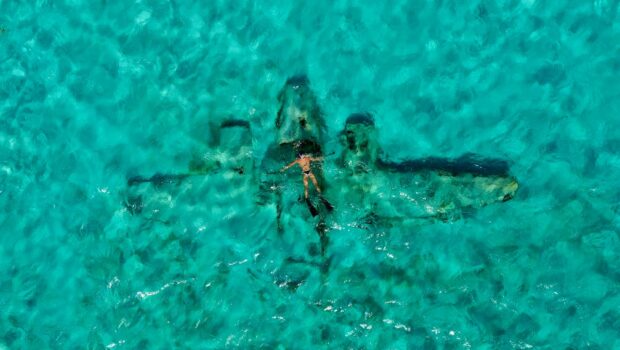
(361, 178)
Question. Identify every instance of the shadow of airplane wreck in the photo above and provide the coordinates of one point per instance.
(384, 192)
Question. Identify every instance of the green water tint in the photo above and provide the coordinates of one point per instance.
(383, 193)
(94, 92)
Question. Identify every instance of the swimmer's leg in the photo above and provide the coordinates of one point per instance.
(306, 186)
(325, 202)
(316, 184)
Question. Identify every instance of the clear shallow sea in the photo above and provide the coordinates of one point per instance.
(94, 91)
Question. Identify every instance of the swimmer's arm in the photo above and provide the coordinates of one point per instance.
(317, 159)
(288, 166)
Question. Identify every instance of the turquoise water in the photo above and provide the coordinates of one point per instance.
(96, 91)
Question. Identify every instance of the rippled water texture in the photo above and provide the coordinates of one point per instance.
(93, 92)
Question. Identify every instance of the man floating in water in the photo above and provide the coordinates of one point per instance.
(304, 161)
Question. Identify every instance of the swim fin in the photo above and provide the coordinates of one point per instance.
(326, 203)
(311, 207)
